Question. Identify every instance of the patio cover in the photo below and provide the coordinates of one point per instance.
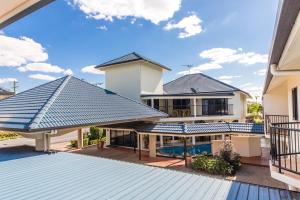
(71, 176)
(184, 129)
(69, 102)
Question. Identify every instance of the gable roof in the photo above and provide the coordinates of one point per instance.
(5, 92)
(199, 84)
(131, 57)
(69, 102)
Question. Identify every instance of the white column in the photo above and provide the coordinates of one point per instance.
(152, 145)
(195, 107)
(107, 139)
(161, 140)
(223, 136)
(193, 140)
(80, 139)
(152, 103)
(173, 140)
(42, 142)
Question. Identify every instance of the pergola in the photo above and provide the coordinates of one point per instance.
(186, 131)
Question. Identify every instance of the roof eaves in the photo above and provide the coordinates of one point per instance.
(39, 116)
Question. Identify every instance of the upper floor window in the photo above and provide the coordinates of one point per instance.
(295, 103)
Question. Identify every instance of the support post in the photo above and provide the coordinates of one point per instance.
(195, 107)
(184, 154)
(135, 141)
(80, 139)
(193, 140)
(152, 103)
(161, 140)
(140, 149)
(152, 145)
(223, 136)
(107, 139)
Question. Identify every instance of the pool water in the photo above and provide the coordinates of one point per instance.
(179, 150)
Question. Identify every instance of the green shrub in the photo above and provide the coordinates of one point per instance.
(212, 164)
(74, 143)
(93, 142)
(226, 153)
(85, 142)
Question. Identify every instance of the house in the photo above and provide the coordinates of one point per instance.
(281, 95)
(4, 93)
(190, 98)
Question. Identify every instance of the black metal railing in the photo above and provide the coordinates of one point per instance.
(270, 119)
(285, 146)
(201, 110)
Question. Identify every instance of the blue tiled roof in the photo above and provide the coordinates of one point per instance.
(69, 102)
(130, 58)
(72, 176)
(202, 128)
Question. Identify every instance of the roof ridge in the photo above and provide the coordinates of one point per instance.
(39, 116)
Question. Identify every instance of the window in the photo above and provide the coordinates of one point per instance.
(295, 103)
(181, 103)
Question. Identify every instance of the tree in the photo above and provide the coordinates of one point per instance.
(255, 109)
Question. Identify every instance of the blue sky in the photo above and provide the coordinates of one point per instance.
(226, 39)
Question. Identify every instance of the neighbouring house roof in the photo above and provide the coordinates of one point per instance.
(69, 102)
(5, 92)
(73, 176)
(288, 11)
(199, 84)
(130, 58)
(192, 129)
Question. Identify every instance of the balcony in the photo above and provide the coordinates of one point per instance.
(270, 119)
(285, 152)
(197, 110)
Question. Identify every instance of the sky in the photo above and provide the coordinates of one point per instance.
(226, 39)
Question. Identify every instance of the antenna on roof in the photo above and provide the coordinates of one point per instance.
(189, 66)
(15, 86)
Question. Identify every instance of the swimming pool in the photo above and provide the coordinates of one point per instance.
(178, 150)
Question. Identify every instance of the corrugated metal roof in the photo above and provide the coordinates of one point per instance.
(69, 102)
(70, 176)
(196, 128)
(131, 57)
(201, 84)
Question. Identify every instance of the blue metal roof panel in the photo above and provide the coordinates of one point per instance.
(71, 176)
(70, 102)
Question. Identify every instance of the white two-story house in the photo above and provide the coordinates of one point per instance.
(281, 95)
(190, 98)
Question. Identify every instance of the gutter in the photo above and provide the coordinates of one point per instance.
(275, 72)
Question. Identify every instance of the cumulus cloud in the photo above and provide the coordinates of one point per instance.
(201, 68)
(227, 55)
(91, 69)
(260, 72)
(154, 10)
(189, 26)
(15, 52)
(44, 67)
(7, 80)
(42, 77)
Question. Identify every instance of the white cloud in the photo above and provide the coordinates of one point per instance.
(227, 55)
(201, 68)
(189, 26)
(7, 80)
(44, 67)
(91, 69)
(260, 72)
(15, 52)
(103, 28)
(42, 77)
(153, 10)
(253, 89)
(227, 79)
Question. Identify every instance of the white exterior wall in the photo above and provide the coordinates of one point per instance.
(134, 78)
(124, 79)
(275, 102)
(151, 79)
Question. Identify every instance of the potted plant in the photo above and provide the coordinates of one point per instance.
(101, 139)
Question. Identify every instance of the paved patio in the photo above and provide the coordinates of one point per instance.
(248, 173)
